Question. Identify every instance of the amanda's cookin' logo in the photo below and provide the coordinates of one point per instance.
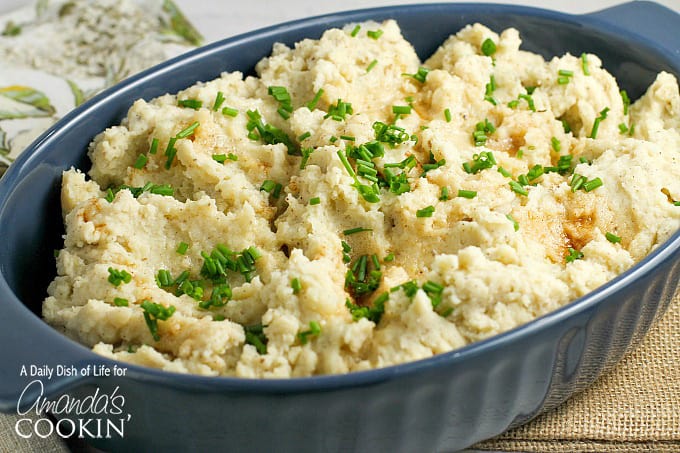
(97, 416)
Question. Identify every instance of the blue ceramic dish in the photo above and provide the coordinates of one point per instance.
(446, 402)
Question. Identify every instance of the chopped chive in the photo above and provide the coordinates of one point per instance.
(277, 190)
(311, 105)
(565, 72)
(467, 193)
(232, 156)
(348, 138)
(304, 136)
(268, 185)
(120, 302)
(356, 230)
(219, 99)
(154, 146)
(355, 30)
(577, 181)
(447, 115)
(116, 277)
(611, 237)
(296, 285)
(623, 129)
(154, 312)
(562, 80)
(314, 201)
(182, 248)
(389, 258)
(190, 103)
(420, 75)
(592, 184)
(425, 212)
(314, 330)
(518, 188)
(626, 101)
(520, 153)
(444, 194)
(515, 224)
(566, 126)
(374, 34)
(401, 109)
(228, 111)
(488, 47)
(346, 164)
(283, 113)
(162, 189)
(556, 144)
(584, 64)
(141, 161)
(530, 101)
(221, 158)
(504, 172)
(339, 111)
(513, 104)
(188, 131)
(573, 255)
(371, 65)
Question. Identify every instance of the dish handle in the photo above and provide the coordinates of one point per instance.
(35, 365)
(651, 20)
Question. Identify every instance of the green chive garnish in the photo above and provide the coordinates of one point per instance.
(574, 255)
(141, 161)
(228, 111)
(467, 193)
(182, 248)
(120, 302)
(296, 285)
(584, 64)
(190, 103)
(518, 188)
(154, 146)
(374, 34)
(314, 201)
(356, 230)
(592, 184)
(221, 158)
(515, 224)
(427, 211)
(371, 65)
(488, 47)
(611, 237)
(311, 105)
(219, 99)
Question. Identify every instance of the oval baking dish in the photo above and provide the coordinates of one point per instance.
(446, 402)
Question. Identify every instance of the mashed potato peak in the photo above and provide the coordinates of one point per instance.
(352, 208)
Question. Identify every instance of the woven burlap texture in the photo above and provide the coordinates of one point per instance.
(635, 407)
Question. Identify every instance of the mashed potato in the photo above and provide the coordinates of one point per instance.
(351, 207)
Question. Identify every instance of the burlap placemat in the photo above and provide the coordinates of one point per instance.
(636, 407)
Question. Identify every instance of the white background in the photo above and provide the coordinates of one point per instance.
(218, 19)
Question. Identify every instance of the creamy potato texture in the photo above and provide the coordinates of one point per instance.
(352, 207)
